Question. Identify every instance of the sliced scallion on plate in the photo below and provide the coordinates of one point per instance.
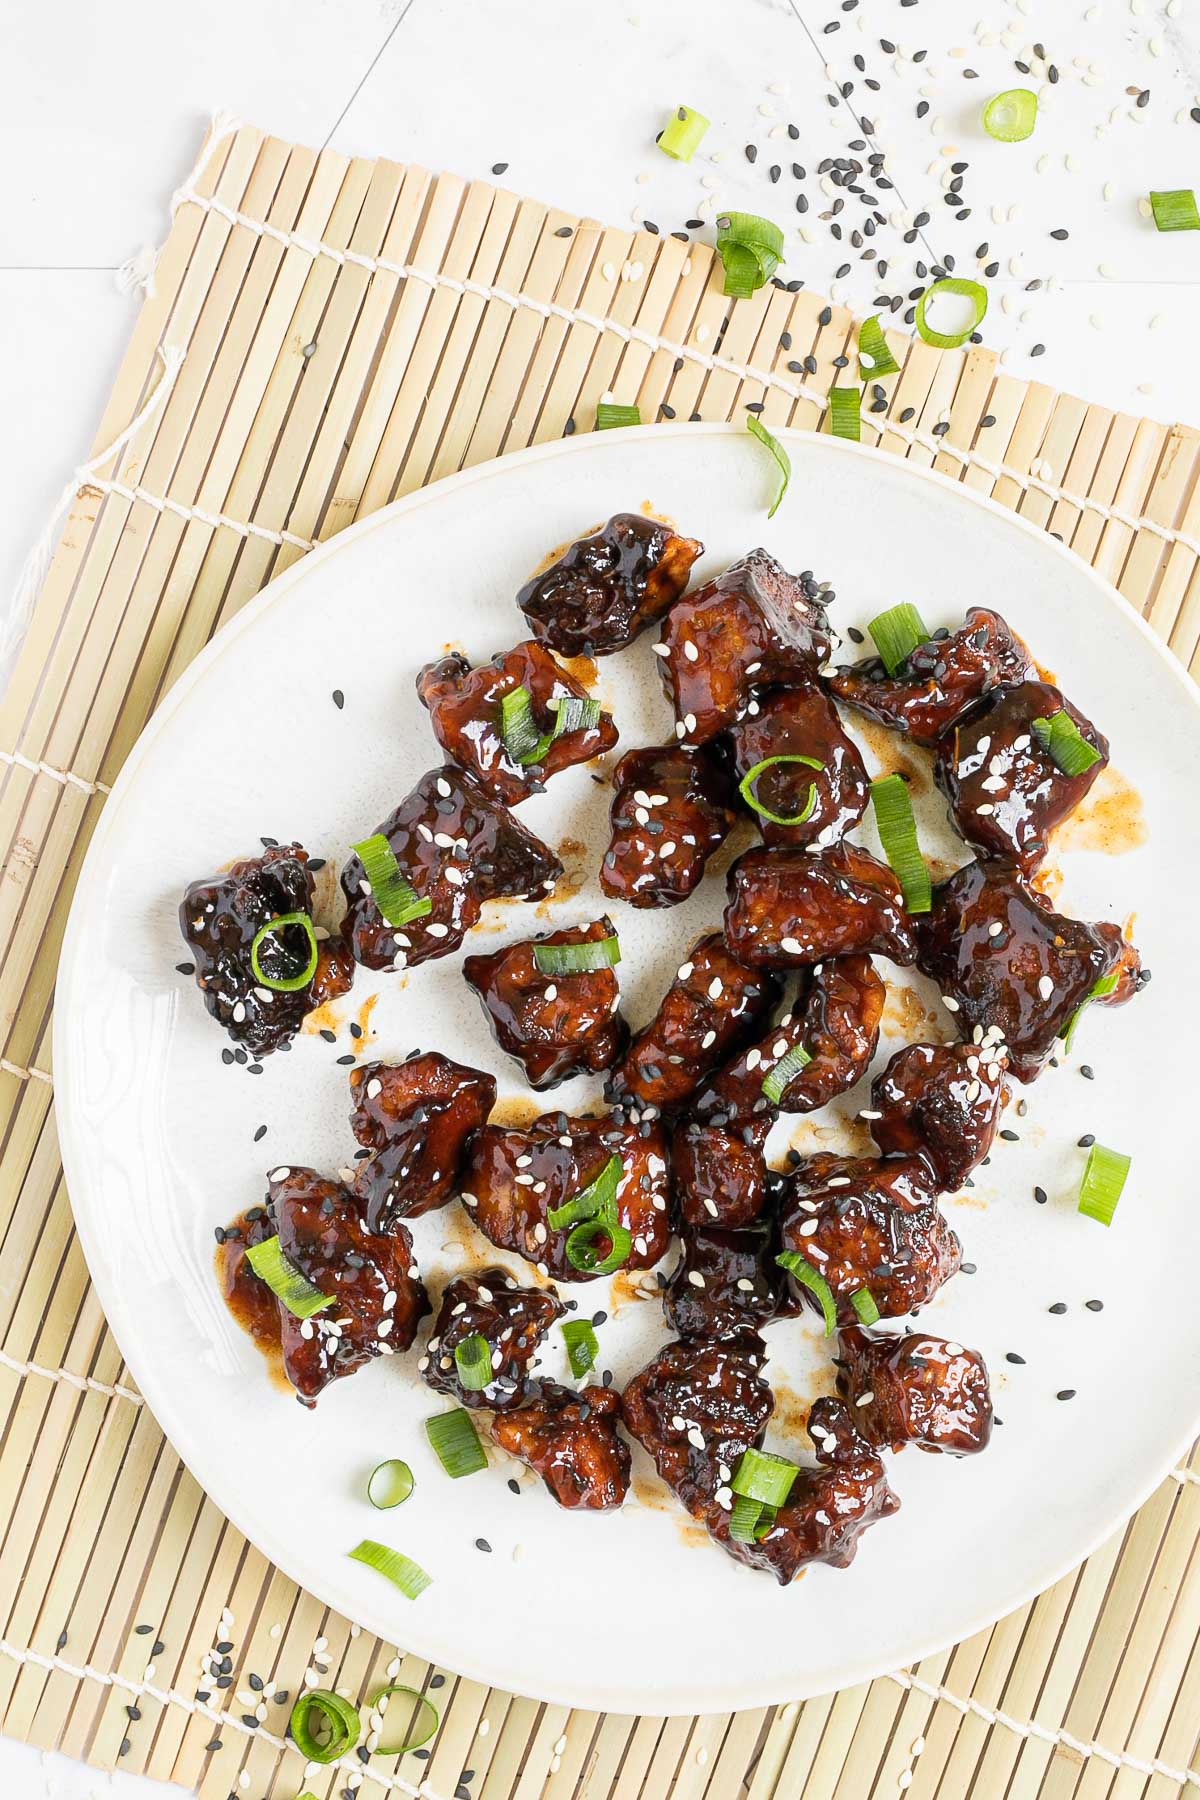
(285, 1281)
(898, 834)
(284, 984)
(597, 1199)
(764, 1477)
(583, 1246)
(473, 1361)
(749, 1519)
(390, 1484)
(863, 1302)
(776, 1084)
(455, 1443)
(400, 1570)
(1061, 737)
(746, 788)
(577, 959)
(1097, 991)
(750, 248)
(803, 1271)
(783, 461)
(397, 901)
(897, 632)
(583, 1346)
(1103, 1182)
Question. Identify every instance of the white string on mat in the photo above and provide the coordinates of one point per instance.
(15, 760)
(1027, 1728)
(22, 1073)
(633, 334)
(204, 1709)
(85, 1383)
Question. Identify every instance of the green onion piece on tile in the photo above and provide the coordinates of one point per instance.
(776, 1084)
(1062, 738)
(761, 1476)
(898, 834)
(455, 1443)
(1103, 1181)
(390, 1484)
(284, 984)
(473, 1360)
(582, 1247)
(680, 137)
(609, 416)
(874, 357)
(863, 1302)
(583, 1346)
(845, 413)
(756, 428)
(1174, 209)
(423, 1719)
(401, 1570)
(897, 632)
(802, 1270)
(577, 959)
(1011, 116)
(597, 1199)
(973, 291)
(323, 1725)
(397, 901)
(746, 788)
(285, 1281)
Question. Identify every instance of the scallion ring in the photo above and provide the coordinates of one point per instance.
(523, 742)
(845, 413)
(874, 356)
(284, 984)
(898, 834)
(582, 1246)
(609, 415)
(761, 1476)
(681, 135)
(390, 1484)
(802, 1270)
(1062, 739)
(973, 291)
(396, 900)
(1011, 116)
(400, 1570)
(336, 1721)
(897, 632)
(1103, 1181)
(749, 1520)
(577, 959)
(776, 1084)
(1097, 991)
(751, 249)
(747, 784)
(473, 1361)
(863, 1302)
(596, 1200)
(455, 1443)
(1175, 209)
(301, 1297)
(583, 1346)
(423, 1720)
(783, 461)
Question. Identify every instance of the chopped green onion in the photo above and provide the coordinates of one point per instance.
(897, 632)
(337, 1721)
(583, 1346)
(761, 1476)
(898, 834)
(747, 783)
(576, 712)
(785, 1072)
(681, 134)
(407, 1575)
(1103, 1180)
(1097, 991)
(285, 984)
(473, 1360)
(874, 357)
(1065, 742)
(756, 428)
(582, 1253)
(1009, 117)
(863, 1302)
(609, 415)
(1174, 209)
(577, 959)
(845, 413)
(456, 1443)
(285, 1281)
(390, 1485)
(803, 1271)
(424, 1720)
(750, 1520)
(523, 742)
(595, 1200)
(397, 901)
(751, 250)
(952, 284)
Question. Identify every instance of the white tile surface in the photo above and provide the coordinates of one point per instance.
(101, 111)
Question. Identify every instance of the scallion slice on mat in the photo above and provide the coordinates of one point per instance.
(973, 291)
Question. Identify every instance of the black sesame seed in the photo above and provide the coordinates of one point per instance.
(1038, 350)
(62, 1636)
(1087, 1071)
(1039, 1195)
(1010, 1137)
(145, 1630)
(213, 1744)
(1087, 1140)
(482, 1544)
(1065, 1394)
(1060, 1306)
(499, 168)
(186, 968)
(1012, 1357)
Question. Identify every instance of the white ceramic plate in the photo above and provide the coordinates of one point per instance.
(629, 1612)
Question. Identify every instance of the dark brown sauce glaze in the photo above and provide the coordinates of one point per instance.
(828, 800)
(604, 589)
(555, 1025)
(941, 678)
(672, 809)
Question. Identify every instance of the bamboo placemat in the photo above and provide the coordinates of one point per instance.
(322, 335)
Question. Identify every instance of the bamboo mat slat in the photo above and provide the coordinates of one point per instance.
(323, 334)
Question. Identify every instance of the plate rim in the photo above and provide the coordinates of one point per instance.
(673, 1702)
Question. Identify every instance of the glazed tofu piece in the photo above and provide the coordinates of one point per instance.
(834, 1020)
(941, 1102)
(788, 907)
(456, 847)
(511, 1320)
(940, 679)
(695, 1408)
(1006, 791)
(571, 1441)
(750, 628)
(415, 1118)
(916, 1390)
(465, 710)
(793, 802)
(672, 809)
(726, 1283)
(220, 919)
(604, 589)
(555, 1025)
